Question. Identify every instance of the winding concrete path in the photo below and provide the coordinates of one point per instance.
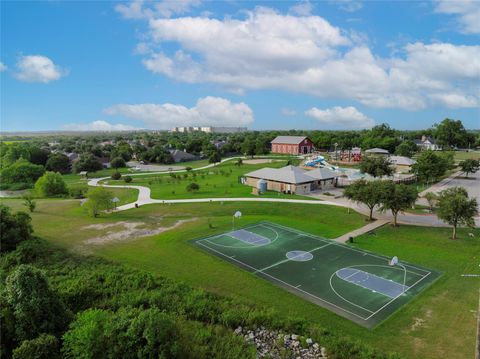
(144, 198)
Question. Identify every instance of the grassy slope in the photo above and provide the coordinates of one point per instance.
(445, 309)
(213, 183)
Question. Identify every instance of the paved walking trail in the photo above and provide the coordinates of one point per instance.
(429, 220)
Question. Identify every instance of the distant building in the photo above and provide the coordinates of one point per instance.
(402, 163)
(292, 180)
(182, 156)
(427, 143)
(210, 129)
(293, 145)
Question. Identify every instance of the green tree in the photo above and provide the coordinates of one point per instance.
(456, 209)
(407, 148)
(239, 162)
(249, 147)
(214, 157)
(14, 228)
(51, 184)
(376, 166)
(21, 171)
(429, 166)
(127, 179)
(193, 187)
(118, 162)
(29, 202)
(116, 175)
(469, 166)
(397, 198)
(38, 156)
(98, 199)
(451, 133)
(37, 309)
(43, 347)
(370, 193)
(58, 162)
(432, 199)
(87, 162)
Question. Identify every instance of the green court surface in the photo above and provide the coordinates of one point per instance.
(353, 283)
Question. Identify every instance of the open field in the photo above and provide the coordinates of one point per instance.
(420, 329)
(219, 181)
(463, 155)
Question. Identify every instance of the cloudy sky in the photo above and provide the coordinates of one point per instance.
(333, 64)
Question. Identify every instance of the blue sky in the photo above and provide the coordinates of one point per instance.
(266, 65)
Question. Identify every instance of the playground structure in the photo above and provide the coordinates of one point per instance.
(353, 155)
(319, 161)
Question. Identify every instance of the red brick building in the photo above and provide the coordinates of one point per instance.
(292, 145)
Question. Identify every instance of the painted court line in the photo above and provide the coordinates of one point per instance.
(344, 246)
(285, 283)
(388, 303)
(290, 259)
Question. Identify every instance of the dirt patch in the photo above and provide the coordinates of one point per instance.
(420, 322)
(130, 231)
(258, 161)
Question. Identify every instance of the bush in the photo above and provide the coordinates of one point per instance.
(116, 175)
(77, 192)
(43, 347)
(14, 228)
(127, 179)
(21, 171)
(98, 199)
(118, 162)
(51, 184)
(193, 187)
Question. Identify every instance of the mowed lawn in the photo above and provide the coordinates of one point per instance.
(219, 181)
(440, 322)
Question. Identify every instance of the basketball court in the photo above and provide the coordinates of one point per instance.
(361, 286)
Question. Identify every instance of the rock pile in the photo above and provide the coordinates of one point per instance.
(275, 344)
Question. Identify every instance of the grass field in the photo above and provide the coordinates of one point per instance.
(463, 155)
(421, 329)
(219, 181)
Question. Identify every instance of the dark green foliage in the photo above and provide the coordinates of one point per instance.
(157, 154)
(469, 166)
(369, 193)
(193, 187)
(456, 209)
(118, 162)
(14, 228)
(430, 166)
(38, 156)
(451, 133)
(58, 162)
(36, 308)
(127, 179)
(44, 347)
(214, 157)
(397, 197)
(377, 166)
(87, 162)
(29, 202)
(116, 175)
(381, 136)
(407, 148)
(21, 171)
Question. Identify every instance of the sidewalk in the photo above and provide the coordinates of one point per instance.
(365, 229)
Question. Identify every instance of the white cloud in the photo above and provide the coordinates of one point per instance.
(208, 111)
(341, 117)
(269, 50)
(288, 112)
(3, 67)
(467, 12)
(139, 9)
(38, 68)
(99, 125)
(348, 5)
(303, 8)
